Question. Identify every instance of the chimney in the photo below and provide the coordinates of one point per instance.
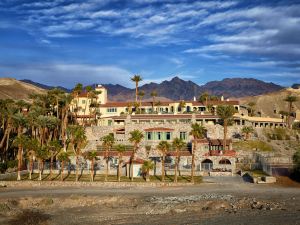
(222, 98)
(194, 98)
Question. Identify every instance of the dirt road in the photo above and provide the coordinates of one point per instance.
(210, 203)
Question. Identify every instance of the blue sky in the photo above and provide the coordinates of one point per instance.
(62, 42)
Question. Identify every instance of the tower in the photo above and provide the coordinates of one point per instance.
(102, 96)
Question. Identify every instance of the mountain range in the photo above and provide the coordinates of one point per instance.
(177, 88)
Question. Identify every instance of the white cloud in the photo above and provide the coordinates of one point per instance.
(69, 74)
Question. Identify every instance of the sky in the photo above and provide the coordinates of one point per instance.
(63, 42)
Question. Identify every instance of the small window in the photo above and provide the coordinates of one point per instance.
(158, 135)
(149, 135)
(83, 101)
(182, 135)
(168, 135)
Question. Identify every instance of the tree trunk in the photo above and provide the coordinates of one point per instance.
(40, 169)
(176, 166)
(193, 162)
(163, 168)
(225, 135)
(30, 168)
(289, 115)
(119, 169)
(51, 167)
(136, 91)
(62, 171)
(77, 168)
(20, 149)
(92, 171)
(106, 171)
(131, 163)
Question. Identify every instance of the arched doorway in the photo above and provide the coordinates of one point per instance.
(207, 165)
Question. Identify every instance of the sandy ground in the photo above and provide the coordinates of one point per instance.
(220, 201)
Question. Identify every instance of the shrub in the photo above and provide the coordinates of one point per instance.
(12, 163)
(3, 167)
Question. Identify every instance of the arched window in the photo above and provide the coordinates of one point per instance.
(225, 162)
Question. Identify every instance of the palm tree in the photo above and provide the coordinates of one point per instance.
(54, 148)
(32, 146)
(163, 147)
(63, 157)
(153, 95)
(251, 108)
(204, 99)
(182, 105)
(178, 145)
(20, 141)
(107, 142)
(147, 166)
(120, 149)
(198, 132)
(92, 156)
(20, 122)
(77, 137)
(56, 94)
(290, 99)
(136, 137)
(75, 93)
(141, 95)
(42, 154)
(225, 112)
(247, 131)
(136, 79)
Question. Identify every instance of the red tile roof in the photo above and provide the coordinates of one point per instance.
(194, 103)
(159, 129)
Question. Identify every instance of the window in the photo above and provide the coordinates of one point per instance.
(111, 110)
(168, 135)
(83, 101)
(158, 135)
(149, 135)
(182, 135)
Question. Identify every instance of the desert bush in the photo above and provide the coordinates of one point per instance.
(12, 163)
(3, 167)
(296, 169)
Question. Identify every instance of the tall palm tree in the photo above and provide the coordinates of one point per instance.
(141, 94)
(54, 148)
(42, 154)
(290, 99)
(135, 138)
(153, 95)
(77, 138)
(163, 147)
(75, 93)
(20, 122)
(136, 79)
(120, 149)
(204, 99)
(32, 146)
(92, 156)
(178, 145)
(63, 157)
(107, 142)
(225, 112)
(147, 166)
(198, 132)
(20, 142)
(182, 105)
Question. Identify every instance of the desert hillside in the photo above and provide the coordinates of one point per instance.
(267, 103)
(14, 89)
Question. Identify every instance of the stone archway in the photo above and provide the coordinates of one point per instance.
(207, 165)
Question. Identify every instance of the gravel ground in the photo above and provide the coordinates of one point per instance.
(209, 203)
